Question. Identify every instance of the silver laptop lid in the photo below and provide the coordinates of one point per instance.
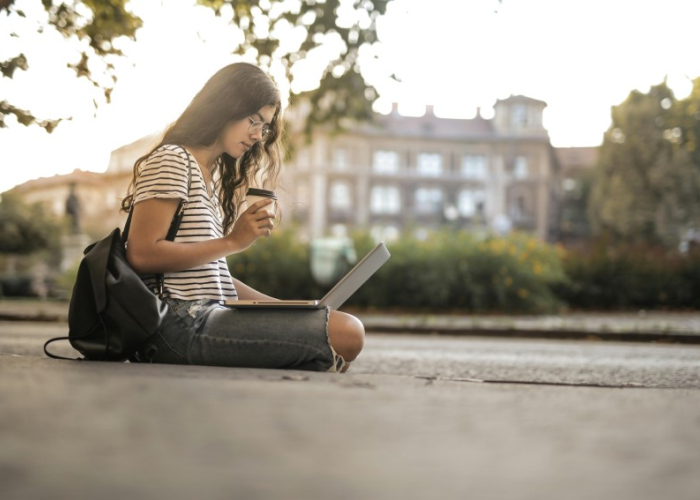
(362, 271)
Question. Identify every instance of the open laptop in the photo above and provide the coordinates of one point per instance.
(341, 292)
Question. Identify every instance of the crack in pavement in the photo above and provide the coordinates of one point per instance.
(630, 385)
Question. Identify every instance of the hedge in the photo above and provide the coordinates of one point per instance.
(449, 271)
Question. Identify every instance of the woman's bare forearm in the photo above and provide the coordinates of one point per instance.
(165, 256)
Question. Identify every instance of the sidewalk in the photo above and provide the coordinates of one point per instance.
(682, 327)
(416, 417)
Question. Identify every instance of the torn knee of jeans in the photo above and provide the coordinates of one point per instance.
(338, 362)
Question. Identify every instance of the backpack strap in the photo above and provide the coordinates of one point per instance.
(174, 224)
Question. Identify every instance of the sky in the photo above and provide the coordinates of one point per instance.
(579, 56)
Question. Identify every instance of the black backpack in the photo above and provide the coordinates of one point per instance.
(112, 312)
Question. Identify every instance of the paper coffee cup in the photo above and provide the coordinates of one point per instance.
(254, 195)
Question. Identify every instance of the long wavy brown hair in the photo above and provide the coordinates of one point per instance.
(234, 93)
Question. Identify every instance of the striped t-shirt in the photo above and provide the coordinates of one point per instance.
(164, 175)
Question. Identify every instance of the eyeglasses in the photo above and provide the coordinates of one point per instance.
(256, 127)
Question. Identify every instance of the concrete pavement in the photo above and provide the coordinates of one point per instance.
(408, 422)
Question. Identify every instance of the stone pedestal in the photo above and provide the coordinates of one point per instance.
(73, 246)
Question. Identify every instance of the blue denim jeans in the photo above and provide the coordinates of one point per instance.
(203, 332)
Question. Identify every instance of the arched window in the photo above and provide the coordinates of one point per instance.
(340, 196)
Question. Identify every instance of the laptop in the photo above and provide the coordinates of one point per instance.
(341, 292)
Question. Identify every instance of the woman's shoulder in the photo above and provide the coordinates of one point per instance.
(170, 151)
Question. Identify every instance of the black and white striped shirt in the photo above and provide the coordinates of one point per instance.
(164, 175)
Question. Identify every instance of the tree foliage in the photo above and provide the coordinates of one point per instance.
(349, 26)
(24, 228)
(97, 22)
(647, 181)
(343, 93)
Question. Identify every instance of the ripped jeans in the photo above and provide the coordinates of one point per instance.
(203, 332)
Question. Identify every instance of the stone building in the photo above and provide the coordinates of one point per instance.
(99, 196)
(404, 173)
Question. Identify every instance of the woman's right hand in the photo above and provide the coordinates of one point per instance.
(255, 222)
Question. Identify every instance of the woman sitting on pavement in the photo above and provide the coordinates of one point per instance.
(230, 135)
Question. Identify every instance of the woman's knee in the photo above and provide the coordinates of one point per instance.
(347, 334)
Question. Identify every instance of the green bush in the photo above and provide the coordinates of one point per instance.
(616, 276)
(455, 271)
(278, 266)
(449, 271)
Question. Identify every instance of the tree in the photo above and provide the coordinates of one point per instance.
(348, 26)
(97, 22)
(26, 229)
(647, 181)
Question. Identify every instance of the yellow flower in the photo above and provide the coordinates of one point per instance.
(537, 268)
(522, 293)
(508, 281)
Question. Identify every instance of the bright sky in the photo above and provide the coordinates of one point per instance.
(580, 56)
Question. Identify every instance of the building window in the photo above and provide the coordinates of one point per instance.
(340, 159)
(428, 200)
(430, 164)
(340, 196)
(386, 162)
(520, 168)
(385, 200)
(519, 115)
(471, 203)
(474, 167)
(519, 208)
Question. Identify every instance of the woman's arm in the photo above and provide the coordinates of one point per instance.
(149, 252)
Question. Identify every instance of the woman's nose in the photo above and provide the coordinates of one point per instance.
(257, 135)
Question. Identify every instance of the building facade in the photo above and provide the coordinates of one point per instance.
(417, 174)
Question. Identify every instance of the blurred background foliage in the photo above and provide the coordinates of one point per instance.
(646, 186)
(342, 93)
(459, 273)
(30, 244)
(455, 272)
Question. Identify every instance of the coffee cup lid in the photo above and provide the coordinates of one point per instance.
(261, 192)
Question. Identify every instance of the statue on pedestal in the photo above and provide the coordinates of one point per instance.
(75, 241)
(73, 210)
